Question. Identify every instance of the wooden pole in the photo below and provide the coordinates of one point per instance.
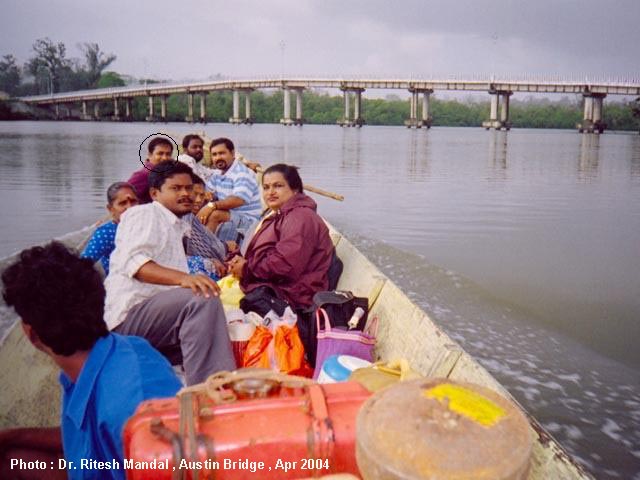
(259, 169)
(313, 189)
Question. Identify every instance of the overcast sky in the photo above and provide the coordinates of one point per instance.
(197, 39)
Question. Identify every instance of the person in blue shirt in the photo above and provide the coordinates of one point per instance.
(120, 197)
(60, 300)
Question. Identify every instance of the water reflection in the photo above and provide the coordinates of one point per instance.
(635, 156)
(498, 154)
(351, 148)
(96, 149)
(589, 156)
(418, 153)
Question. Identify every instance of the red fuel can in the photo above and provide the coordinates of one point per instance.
(295, 431)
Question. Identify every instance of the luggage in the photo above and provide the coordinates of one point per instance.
(340, 306)
(339, 341)
(225, 429)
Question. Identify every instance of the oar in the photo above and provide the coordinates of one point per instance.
(310, 188)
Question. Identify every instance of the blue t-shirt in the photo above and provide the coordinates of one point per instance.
(120, 372)
(102, 244)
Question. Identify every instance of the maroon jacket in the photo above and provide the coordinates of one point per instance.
(291, 253)
(140, 181)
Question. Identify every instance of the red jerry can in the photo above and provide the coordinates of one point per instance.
(297, 430)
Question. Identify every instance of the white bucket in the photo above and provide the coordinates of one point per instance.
(338, 368)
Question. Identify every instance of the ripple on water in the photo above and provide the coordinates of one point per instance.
(591, 404)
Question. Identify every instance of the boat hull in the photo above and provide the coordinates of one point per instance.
(404, 331)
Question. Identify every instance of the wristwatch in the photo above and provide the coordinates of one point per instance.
(212, 205)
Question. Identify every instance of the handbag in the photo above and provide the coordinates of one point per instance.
(261, 300)
(339, 341)
(340, 305)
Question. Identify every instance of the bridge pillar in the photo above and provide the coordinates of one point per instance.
(592, 118)
(298, 120)
(96, 111)
(116, 110)
(347, 111)
(357, 108)
(85, 115)
(426, 110)
(235, 118)
(127, 109)
(189, 117)
(286, 114)
(151, 116)
(425, 120)
(247, 107)
(357, 120)
(163, 108)
(203, 107)
(499, 102)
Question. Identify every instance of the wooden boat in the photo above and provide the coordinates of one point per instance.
(31, 391)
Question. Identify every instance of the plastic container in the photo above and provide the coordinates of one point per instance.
(442, 429)
(239, 334)
(310, 428)
(338, 368)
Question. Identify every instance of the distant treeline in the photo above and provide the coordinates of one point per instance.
(50, 70)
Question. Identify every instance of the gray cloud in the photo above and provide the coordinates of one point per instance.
(197, 39)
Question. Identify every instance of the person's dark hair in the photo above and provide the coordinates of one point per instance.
(114, 188)
(218, 141)
(197, 180)
(290, 174)
(187, 139)
(167, 169)
(158, 141)
(60, 295)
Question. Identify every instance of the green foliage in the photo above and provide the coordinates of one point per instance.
(110, 79)
(48, 65)
(9, 75)
(95, 63)
(53, 72)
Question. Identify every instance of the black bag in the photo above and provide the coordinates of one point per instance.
(335, 270)
(340, 306)
(261, 300)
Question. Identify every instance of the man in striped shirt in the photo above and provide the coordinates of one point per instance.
(237, 204)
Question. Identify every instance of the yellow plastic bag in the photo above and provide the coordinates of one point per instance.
(230, 293)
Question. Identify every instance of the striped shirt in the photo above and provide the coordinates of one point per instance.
(239, 181)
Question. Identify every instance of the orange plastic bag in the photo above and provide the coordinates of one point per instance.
(289, 351)
(256, 353)
(281, 351)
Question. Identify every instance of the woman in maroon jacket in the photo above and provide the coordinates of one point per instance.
(291, 249)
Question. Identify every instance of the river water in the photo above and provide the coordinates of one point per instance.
(523, 245)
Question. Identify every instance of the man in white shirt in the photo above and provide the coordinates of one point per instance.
(193, 148)
(149, 290)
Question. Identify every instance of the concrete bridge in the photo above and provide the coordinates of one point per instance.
(500, 90)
